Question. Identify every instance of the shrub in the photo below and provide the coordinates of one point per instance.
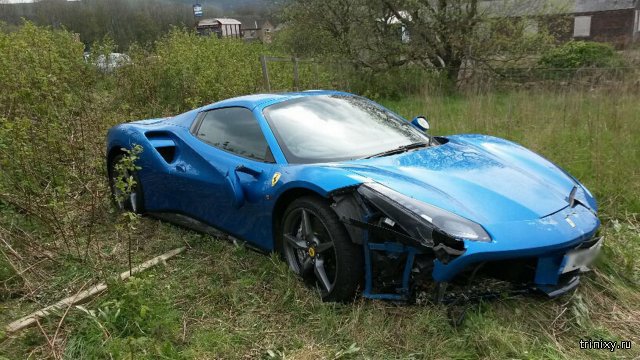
(10, 282)
(135, 322)
(396, 83)
(185, 71)
(47, 136)
(581, 54)
(42, 73)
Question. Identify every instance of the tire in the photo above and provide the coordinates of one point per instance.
(135, 201)
(325, 246)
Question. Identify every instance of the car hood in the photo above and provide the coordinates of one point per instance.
(485, 179)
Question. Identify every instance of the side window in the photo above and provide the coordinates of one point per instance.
(236, 130)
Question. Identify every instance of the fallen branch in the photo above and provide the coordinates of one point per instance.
(85, 295)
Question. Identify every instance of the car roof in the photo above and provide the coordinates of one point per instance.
(255, 100)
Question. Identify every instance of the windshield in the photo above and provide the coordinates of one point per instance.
(328, 128)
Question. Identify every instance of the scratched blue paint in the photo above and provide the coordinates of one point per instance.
(519, 197)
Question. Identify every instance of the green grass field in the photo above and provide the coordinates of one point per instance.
(219, 300)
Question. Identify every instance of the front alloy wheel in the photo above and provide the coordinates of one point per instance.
(317, 247)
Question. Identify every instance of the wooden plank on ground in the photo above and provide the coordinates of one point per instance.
(86, 295)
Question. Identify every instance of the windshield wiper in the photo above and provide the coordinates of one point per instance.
(399, 149)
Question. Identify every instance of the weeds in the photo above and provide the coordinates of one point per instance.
(133, 323)
(124, 185)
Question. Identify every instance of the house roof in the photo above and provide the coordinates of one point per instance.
(207, 22)
(228, 21)
(582, 6)
(547, 7)
(216, 21)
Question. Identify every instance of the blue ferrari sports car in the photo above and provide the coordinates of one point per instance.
(357, 199)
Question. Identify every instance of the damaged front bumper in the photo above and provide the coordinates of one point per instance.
(398, 233)
(561, 246)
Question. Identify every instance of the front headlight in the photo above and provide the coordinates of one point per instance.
(445, 221)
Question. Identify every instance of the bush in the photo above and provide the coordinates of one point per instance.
(47, 133)
(185, 71)
(394, 84)
(135, 322)
(581, 54)
(10, 282)
(42, 73)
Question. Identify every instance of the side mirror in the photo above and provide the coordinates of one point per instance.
(421, 123)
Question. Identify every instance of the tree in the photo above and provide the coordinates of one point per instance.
(440, 30)
(440, 34)
(319, 28)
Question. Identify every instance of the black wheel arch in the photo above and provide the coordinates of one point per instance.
(111, 154)
(282, 203)
(341, 201)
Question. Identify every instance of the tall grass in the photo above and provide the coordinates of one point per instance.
(594, 135)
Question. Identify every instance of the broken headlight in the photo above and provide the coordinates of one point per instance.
(391, 202)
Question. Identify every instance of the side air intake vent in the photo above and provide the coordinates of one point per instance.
(163, 143)
(168, 153)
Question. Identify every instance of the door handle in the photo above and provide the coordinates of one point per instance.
(247, 170)
(181, 168)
